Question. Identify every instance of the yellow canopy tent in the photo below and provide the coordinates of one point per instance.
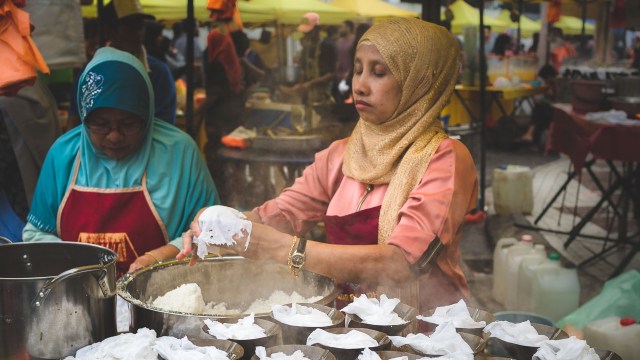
(527, 26)
(291, 11)
(571, 25)
(366, 9)
(465, 15)
(177, 10)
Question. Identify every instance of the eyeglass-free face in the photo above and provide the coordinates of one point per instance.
(114, 132)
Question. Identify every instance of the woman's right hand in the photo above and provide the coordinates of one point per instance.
(189, 248)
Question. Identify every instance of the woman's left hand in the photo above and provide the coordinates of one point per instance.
(141, 261)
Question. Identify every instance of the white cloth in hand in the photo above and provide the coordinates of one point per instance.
(218, 225)
(521, 334)
(444, 341)
(354, 339)
(565, 349)
(299, 315)
(261, 353)
(373, 311)
(170, 348)
(458, 313)
(244, 329)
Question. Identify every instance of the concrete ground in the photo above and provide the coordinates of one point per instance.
(479, 239)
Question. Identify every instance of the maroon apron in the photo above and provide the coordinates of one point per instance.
(123, 220)
(359, 228)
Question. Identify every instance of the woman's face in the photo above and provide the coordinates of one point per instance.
(114, 132)
(376, 93)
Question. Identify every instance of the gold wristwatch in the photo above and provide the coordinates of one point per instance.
(297, 255)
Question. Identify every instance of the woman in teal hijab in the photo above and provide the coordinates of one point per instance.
(124, 179)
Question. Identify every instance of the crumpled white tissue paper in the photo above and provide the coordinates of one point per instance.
(444, 341)
(128, 346)
(565, 349)
(458, 313)
(170, 348)
(261, 353)
(354, 339)
(521, 334)
(300, 315)
(218, 225)
(244, 329)
(373, 311)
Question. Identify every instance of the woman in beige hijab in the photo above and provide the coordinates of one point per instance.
(393, 195)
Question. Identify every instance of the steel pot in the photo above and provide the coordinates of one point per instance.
(234, 280)
(56, 298)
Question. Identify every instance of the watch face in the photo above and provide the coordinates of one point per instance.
(297, 259)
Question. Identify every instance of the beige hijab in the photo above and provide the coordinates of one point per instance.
(424, 58)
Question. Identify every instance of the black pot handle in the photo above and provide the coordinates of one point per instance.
(98, 271)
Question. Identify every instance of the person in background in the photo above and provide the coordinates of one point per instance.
(503, 45)
(124, 29)
(159, 46)
(635, 56)
(561, 49)
(343, 47)
(542, 110)
(124, 179)
(486, 33)
(223, 108)
(28, 127)
(253, 66)
(180, 44)
(318, 62)
(533, 49)
(393, 196)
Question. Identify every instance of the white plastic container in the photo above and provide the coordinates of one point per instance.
(621, 336)
(515, 299)
(556, 290)
(499, 263)
(526, 273)
(512, 190)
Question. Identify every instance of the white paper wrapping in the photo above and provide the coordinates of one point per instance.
(520, 334)
(218, 225)
(244, 329)
(565, 349)
(299, 315)
(354, 339)
(138, 346)
(373, 311)
(444, 341)
(458, 313)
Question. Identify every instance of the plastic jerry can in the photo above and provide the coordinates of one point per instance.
(526, 273)
(519, 293)
(556, 290)
(512, 189)
(620, 335)
(499, 263)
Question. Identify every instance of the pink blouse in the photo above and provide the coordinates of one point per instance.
(437, 206)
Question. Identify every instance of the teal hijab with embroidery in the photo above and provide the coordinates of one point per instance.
(178, 180)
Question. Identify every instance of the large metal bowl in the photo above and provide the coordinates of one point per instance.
(234, 280)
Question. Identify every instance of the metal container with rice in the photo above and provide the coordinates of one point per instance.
(235, 281)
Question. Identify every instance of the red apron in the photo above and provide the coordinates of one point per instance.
(361, 228)
(123, 220)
